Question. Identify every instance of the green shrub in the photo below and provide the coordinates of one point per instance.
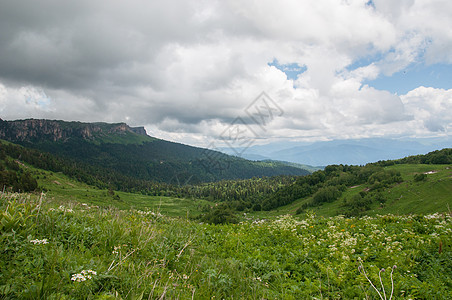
(420, 177)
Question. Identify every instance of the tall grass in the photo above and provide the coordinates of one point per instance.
(66, 250)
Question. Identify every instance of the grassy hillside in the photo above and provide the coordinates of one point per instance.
(429, 195)
(61, 188)
(126, 138)
(55, 249)
(434, 194)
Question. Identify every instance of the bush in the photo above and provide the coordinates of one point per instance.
(326, 194)
(420, 177)
(221, 214)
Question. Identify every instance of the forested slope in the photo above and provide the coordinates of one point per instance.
(120, 149)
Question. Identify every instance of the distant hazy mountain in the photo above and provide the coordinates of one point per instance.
(351, 152)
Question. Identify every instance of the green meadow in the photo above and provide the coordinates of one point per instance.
(62, 188)
(54, 249)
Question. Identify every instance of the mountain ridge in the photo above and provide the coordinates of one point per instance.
(351, 152)
(127, 151)
(57, 130)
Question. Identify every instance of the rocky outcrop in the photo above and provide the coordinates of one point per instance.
(37, 129)
(139, 130)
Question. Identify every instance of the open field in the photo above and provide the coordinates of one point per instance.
(51, 250)
(63, 188)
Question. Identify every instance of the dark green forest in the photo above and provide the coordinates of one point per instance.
(180, 185)
(13, 177)
(163, 161)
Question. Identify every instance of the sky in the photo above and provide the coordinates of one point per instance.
(213, 73)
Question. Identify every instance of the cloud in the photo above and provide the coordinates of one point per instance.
(431, 109)
(187, 69)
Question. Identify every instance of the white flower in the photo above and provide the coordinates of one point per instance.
(36, 241)
(63, 209)
(83, 275)
(433, 216)
(78, 278)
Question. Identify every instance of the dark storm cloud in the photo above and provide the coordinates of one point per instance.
(81, 44)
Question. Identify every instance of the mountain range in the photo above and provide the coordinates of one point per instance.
(130, 152)
(350, 152)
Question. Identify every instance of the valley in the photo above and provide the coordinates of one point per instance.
(224, 150)
(72, 228)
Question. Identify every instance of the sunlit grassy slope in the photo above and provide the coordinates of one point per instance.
(429, 196)
(63, 188)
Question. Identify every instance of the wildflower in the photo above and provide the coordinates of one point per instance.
(78, 278)
(83, 275)
(89, 272)
(383, 294)
(63, 209)
(36, 241)
(433, 216)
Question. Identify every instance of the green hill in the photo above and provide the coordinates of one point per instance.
(398, 187)
(431, 195)
(123, 151)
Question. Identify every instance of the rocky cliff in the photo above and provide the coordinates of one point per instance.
(54, 130)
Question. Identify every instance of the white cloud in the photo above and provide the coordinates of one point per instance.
(186, 69)
(431, 109)
(24, 101)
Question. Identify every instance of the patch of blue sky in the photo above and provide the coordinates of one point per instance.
(367, 60)
(291, 70)
(370, 3)
(42, 101)
(436, 76)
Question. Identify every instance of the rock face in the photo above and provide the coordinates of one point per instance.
(33, 129)
(139, 130)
